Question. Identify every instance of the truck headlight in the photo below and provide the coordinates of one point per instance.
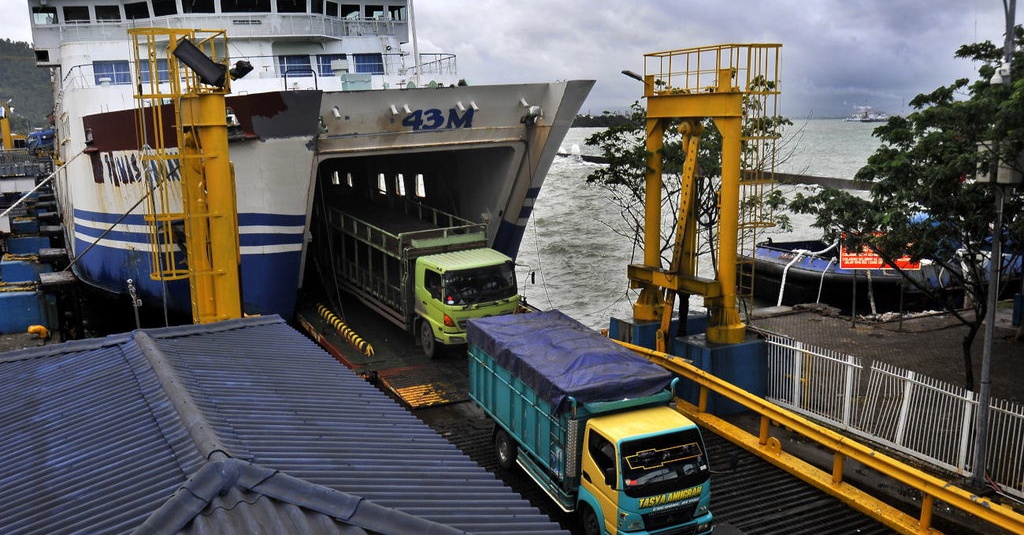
(630, 522)
(702, 507)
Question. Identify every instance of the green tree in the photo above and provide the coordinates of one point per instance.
(25, 85)
(924, 199)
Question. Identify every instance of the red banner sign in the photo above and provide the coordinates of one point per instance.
(865, 259)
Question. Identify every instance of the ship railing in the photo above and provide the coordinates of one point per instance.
(78, 77)
(438, 63)
(238, 26)
(267, 66)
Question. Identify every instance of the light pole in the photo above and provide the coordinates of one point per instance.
(1003, 75)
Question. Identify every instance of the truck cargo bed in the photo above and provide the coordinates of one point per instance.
(558, 357)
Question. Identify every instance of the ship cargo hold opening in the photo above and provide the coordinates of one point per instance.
(384, 188)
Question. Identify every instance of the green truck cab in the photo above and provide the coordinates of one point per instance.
(452, 288)
(591, 423)
(425, 270)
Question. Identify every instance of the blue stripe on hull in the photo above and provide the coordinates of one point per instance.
(270, 283)
(269, 280)
(244, 219)
(508, 238)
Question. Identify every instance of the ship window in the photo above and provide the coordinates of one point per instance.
(332, 9)
(317, 7)
(76, 14)
(162, 8)
(323, 63)
(291, 6)
(44, 15)
(369, 63)
(199, 6)
(162, 73)
(114, 72)
(136, 10)
(400, 185)
(296, 66)
(396, 12)
(108, 13)
(382, 184)
(421, 188)
(374, 12)
(350, 11)
(245, 6)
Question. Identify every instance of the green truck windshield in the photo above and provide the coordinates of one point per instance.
(664, 463)
(479, 285)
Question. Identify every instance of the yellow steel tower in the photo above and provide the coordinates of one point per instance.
(736, 86)
(187, 68)
(6, 139)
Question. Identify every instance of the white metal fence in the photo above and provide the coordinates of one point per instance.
(919, 416)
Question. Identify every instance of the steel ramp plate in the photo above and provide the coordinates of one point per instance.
(425, 385)
(398, 366)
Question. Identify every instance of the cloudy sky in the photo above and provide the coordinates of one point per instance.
(836, 54)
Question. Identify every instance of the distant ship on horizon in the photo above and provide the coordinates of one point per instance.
(866, 114)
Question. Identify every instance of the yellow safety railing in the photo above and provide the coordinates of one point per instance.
(770, 448)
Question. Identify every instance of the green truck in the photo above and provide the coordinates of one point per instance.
(590, 422)
(426, 271)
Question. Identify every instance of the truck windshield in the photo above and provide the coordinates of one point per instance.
(664, 463)
(479, 285)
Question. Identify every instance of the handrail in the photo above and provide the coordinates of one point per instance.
(39, 185)
(770, 449)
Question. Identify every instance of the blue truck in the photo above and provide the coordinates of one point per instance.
(591, 423)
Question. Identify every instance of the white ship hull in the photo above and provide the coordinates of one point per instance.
(480, 152)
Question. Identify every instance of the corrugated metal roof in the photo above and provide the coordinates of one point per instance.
(97, 436)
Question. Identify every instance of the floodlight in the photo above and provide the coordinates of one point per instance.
(210, 72)
(240, 69)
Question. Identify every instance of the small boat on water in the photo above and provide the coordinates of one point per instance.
(865, 114)
(797, 272)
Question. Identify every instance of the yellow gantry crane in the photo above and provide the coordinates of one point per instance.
(736, 86)
(6, 137)
(188, 69)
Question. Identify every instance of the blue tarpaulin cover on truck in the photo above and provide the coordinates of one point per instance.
(558, 357)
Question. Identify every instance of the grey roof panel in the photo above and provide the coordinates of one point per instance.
(98, 435)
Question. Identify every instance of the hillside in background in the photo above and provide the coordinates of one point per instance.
(25, 85)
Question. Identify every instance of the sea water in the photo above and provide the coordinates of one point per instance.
(577, 245)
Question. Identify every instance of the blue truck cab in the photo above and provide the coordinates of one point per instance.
(591, 423)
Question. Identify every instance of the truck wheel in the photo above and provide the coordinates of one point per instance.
(589, 522)
(427, 341)
(506, 449)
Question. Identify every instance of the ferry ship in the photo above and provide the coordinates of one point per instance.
(328, 95)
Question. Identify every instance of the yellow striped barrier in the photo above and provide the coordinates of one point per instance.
(770, 449)
(345, 331)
